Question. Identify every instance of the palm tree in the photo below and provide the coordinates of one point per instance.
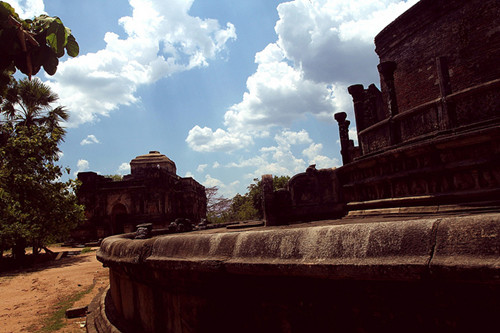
(30, 131)
(30, 103)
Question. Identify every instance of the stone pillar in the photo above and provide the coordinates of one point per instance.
(357, 91)
(344, 136)
(386, 70)
(268, 200)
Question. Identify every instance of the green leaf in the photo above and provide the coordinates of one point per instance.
(56, 36)
(42, 22)
(50, 65)
(72, 46)
(6, 10)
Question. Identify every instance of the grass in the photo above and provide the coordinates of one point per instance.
(56, 320)
(86, 250)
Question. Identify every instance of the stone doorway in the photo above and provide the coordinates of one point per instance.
(119, 219)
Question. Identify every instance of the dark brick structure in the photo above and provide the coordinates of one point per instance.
(152, 193)
(429, 140)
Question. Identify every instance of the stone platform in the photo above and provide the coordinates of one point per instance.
(433, 273)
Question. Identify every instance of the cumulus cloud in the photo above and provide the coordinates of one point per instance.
(161, 39)
(123, 169)
(27, 9)
(322, 47)
(282, 160)
(204, 139)
(226, 190)
(201, 167)
(90, 139)
(81, 166)
(332, 40)
(313, 154)
(291, 153)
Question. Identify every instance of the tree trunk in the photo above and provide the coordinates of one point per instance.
(18, 250)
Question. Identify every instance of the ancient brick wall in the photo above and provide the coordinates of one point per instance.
(467, 33)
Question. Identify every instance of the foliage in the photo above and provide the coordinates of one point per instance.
(243, 209)
(29, 45)
(218, 207)
(35, 207)
(115, 178)
(86, 250)
(254, 193)
(240, 207)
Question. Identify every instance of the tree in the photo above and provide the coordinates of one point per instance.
(254, 193)
(218, 207)
(29, 45)
(115, 178)
(35, 207)
(243, 209)
(240, 207)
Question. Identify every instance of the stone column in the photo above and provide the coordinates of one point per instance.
(344, 136)
(386, 70)
(357, 91)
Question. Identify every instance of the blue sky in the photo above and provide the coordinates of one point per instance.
(228, 89)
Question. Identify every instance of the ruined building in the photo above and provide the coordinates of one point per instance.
(152, 193)
(429, 139)
(404, 237)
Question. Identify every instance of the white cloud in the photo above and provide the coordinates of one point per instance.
(332, 40)
(281, 160)
(27, 9)
(292, 153)
(90, 139)
(226, 190)
(313, 154)
(215, 165)
(123, 169)
(353, 135)
(81, 166)
(322, 47)
(288, 138)
(204, 139)
(161, 39)
(201, 167)
(189, 174)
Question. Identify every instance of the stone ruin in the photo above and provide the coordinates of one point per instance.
(151, 193)
(429, 140)
(409, 237)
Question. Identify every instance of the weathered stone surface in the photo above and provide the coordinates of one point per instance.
(413, 263)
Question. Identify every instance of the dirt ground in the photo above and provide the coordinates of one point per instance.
(29, 297)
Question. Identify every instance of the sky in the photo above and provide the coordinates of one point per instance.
(229, 90)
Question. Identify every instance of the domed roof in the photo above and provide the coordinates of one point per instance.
(152, 160)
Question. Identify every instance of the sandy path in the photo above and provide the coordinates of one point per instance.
(27, 298)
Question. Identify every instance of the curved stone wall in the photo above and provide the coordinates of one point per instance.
(434, 273)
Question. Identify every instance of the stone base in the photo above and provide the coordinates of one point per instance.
(364, 275)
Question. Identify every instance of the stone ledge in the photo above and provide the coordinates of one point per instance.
(456, 247)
